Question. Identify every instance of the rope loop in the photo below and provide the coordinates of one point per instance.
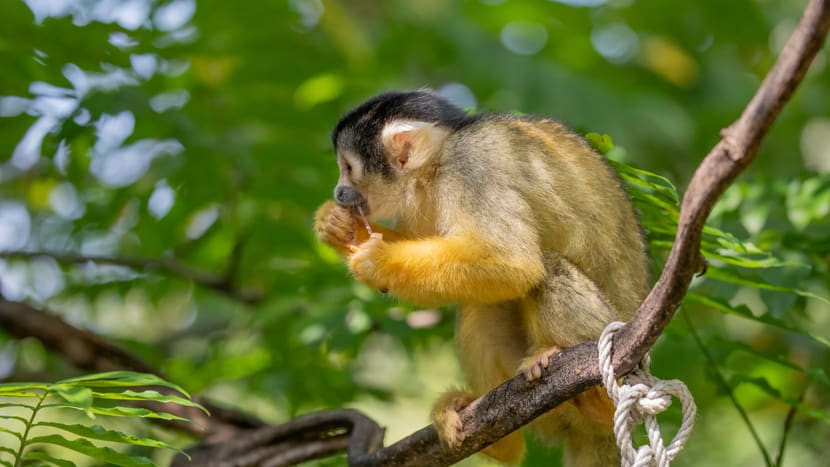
(639, 399)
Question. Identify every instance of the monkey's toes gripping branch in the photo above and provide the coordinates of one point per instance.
(533, 365)
(446, 419)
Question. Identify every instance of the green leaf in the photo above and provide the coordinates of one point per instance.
(744, 312)
(734, 277)
(6, 388)
(104, 434)
(661, 195)
(602, 143)
(77, 395)
(8, 450)
(22, 406)
(745, 261)
(103, 454)
(6, 463)
(14, 433)
(818, 375)
(122, 379)
(42, 456)
(20, 394)
(148, 395)
(764, 385)
(658, 180)
(119, 411)
(22, 420)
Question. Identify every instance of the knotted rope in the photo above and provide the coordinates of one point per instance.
(639, 399)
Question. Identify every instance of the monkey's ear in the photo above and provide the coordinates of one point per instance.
(410, 144)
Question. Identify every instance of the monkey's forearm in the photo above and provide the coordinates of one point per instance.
(441, 270)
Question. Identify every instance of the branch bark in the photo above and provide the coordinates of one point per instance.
(307, 437)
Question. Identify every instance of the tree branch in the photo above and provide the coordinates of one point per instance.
(308, 437)
(516, 402)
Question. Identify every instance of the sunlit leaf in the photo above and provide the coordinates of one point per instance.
(42, 456)
(601, 143)
(17, 434)
(119, 411)
(744, 312)
(122, 379)
(818, 375)
(761, 383)
(12, 388)
(103, 454)
(14, 417)
(77, 395)
(100, 433)
(735, 277)
(147, 396)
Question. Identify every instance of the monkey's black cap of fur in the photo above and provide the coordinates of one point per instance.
(359, 130)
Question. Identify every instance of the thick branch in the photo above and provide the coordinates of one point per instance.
(308, 437)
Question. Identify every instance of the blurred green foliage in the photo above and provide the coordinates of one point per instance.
(198, 132)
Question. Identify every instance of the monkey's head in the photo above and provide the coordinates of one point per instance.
(386, 141)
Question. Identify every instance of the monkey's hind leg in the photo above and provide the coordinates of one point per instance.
(566, 309)
(491, 343)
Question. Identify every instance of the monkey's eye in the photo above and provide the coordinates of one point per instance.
(348, 168)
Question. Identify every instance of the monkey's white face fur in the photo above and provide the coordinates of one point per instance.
(410, 147)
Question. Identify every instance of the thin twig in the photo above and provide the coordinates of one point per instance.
(788, 424)
(721, 380)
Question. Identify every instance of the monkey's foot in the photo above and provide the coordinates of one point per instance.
(446, 419)
(533, 365)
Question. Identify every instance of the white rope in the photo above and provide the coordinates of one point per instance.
(639, 399)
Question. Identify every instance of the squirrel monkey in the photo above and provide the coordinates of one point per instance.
(516, 219)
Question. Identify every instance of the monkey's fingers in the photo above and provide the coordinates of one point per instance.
(352, 247)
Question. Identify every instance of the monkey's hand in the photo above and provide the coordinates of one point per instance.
(336, 226)
(367, 261)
